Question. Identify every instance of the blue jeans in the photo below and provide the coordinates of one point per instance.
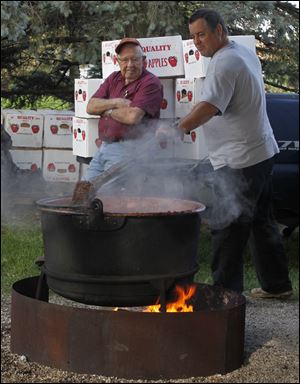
(107, 155)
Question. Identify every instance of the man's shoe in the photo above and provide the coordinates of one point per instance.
(258, 293)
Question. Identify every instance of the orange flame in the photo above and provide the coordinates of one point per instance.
(183, 295)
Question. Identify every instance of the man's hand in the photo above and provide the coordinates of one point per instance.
(168, 131)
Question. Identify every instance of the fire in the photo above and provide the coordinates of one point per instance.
(183, 295)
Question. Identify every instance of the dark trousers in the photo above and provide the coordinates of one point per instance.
(242, 213)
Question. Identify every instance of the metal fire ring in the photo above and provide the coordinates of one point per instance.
(128, 344)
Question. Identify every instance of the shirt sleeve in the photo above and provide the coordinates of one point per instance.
(217, 90)
(103, 91)
(148, 97)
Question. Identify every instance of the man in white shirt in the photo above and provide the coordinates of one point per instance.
(241, 147)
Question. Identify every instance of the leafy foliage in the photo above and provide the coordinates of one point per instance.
(43, 43)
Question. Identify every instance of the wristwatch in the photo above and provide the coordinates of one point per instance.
(109, 112)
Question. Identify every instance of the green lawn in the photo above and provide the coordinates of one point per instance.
(291, 245)
(22, 244)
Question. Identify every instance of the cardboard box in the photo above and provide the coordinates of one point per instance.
(187, 93)
(191, 146)
(25, 128)
(58, 130)
(167, 108)
(60, 165)
(109, 57)
(164, 56)
(55, 112)
(195, 65)
(84, 90)
(29, 159)
(85, 134)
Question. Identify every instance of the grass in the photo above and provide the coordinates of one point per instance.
(20, 246)
(291, 246)
(22, 243)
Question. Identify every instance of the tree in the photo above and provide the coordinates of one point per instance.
(43, 43)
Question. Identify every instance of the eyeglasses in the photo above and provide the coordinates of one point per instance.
(134, 59)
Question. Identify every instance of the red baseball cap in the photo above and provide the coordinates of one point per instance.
(127, 40)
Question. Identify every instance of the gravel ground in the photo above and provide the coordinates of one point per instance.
(271, 351)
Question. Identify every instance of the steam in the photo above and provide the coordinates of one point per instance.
(156, 172)
(151, 171)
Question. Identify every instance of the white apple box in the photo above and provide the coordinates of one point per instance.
(191, 146)
(246, 40)
(187, 93)
(85, 134)
(58, 130)
(84, 90)
(29, 159)
(55, 112)
(60, 165)
(25, 128)
(109, 57)
(167, 107)
(195, 65)
(164, 57)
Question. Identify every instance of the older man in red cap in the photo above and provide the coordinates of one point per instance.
(127, 101)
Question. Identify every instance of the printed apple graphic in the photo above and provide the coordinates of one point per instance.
(51, 167)
(84, 95)
(115, 59)
(71, 168)
(186, 56)
(190, 95)
(83, 135)
(54, 129)
(33, 167)
(173, 61)
(178, 95)
(193, 136)
(75, 134)
(35, 128)
(197, 55)
(163, 104)
(14, 127)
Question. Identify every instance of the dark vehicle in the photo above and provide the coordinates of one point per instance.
(283, 112)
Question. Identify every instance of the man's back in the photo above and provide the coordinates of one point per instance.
(242, 135)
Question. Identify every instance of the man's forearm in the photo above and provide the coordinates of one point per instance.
(128, 115)
(98, 106)
(199, 115)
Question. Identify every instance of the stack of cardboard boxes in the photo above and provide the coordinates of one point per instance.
(45, 139)
(26, 131)
(181, 69)
(164, 58)
(42, 141)
(59, 163)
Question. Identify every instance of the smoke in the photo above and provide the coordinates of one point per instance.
(230, 201)
(155, 171)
